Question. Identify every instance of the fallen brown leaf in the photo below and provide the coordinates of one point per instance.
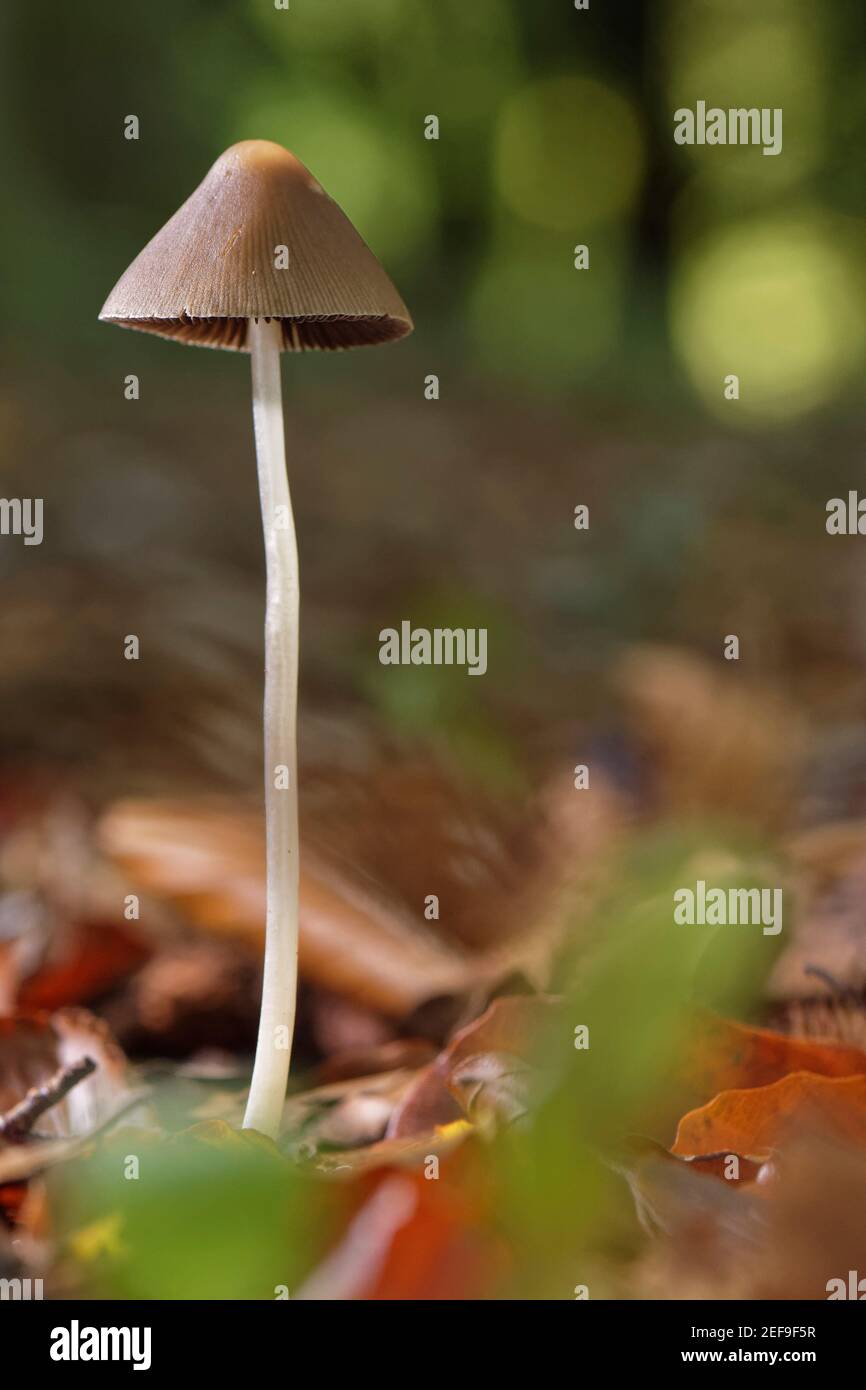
(733, 1056)
(426, 1103)
(93, 956)
(487, 1065)
(210, 861)
(757, 1120)
(414, 1239)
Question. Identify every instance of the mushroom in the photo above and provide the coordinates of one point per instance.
(259, 259)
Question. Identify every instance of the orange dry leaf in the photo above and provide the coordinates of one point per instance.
(415, 1238)
(756, 1120)
(94, 956)
(731, 1056)
(209, 859)
(442, 1252)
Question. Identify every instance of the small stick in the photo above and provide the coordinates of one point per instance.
(17, 1123)
(841, 991)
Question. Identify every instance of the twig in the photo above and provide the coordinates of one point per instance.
(17, 1123)
(836, 987)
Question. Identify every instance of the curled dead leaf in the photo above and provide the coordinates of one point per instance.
(487, 1066)
(757, 1120)
(728, 1056)
(426, 1103)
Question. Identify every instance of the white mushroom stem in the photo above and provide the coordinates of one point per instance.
(279, 985)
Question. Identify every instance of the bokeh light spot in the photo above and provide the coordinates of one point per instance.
(569, 152)
(773, 302)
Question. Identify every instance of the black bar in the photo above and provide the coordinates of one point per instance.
(244, 1339)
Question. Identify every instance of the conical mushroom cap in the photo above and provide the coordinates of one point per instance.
(215, 263)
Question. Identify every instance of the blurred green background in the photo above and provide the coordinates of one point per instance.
(557, 386)
(556, 127)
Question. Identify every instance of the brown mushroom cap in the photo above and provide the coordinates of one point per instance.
(212, 266)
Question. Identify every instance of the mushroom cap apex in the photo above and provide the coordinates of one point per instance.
(258, 152)
(261, 156)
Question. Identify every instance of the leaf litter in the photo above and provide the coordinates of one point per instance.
(437, 1073)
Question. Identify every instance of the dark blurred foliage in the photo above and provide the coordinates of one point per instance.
(558, 386)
